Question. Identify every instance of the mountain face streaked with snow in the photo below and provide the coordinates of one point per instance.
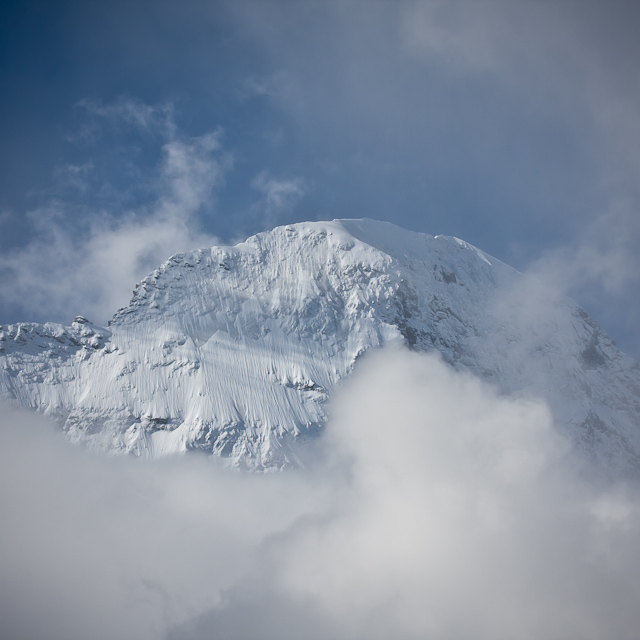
(234, 350)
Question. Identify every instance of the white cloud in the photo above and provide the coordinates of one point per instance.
(603, 258)
(104, 548)
(600, 267)
(441, 510)
(90, 265)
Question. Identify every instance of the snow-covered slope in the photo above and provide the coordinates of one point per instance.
(234, 350)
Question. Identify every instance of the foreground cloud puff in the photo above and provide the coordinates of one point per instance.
(438, 509)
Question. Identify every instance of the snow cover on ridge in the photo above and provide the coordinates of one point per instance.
(234, 350)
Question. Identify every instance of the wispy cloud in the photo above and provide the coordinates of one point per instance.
(279, 196)
(600, 267)
(276, 85)
(88, 262)
(603, 258)
(150, 118)
(565, 60)
(470, 36)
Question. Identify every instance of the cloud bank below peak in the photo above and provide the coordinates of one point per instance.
(427, 516)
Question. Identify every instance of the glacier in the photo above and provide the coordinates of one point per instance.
(235, 350)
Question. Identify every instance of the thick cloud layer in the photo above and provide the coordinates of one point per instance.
(115, 548)
(437, 509)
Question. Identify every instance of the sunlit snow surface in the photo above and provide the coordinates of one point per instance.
(234, 350)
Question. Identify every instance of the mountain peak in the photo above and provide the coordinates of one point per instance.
(234, 350)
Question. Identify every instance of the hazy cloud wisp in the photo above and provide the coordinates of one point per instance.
(279, 196)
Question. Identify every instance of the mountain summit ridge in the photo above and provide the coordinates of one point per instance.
(234, 350)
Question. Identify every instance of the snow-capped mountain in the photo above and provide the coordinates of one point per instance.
(235, 350)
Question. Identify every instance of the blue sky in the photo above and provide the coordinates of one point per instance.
(130, 131)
